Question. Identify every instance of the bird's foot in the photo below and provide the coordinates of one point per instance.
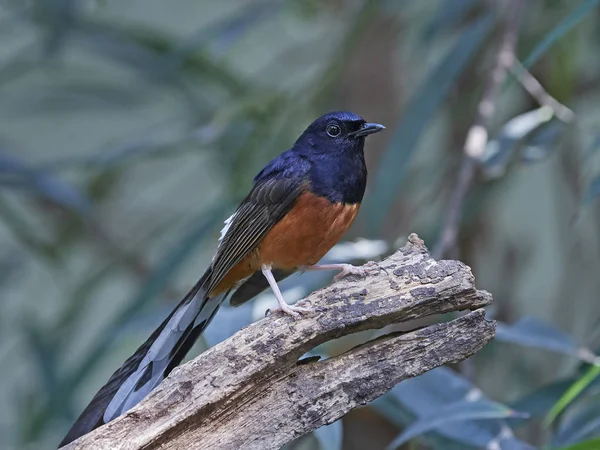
(346, 269)
(295, 311)
(349, 269)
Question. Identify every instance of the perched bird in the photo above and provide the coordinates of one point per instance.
(299, 207)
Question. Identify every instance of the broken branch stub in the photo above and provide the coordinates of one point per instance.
(249, 392)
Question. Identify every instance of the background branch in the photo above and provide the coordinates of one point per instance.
(541, 95)
(251, 391)
(477, 136)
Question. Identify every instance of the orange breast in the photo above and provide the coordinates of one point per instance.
(306, 233)
(302, 237)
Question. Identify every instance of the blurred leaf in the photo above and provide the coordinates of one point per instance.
(389, 407)
(594, 146)
(224, 33)
(44, 356)
(532, 332)
(582, 424)
(10, 263)
(77, 98)
(51, 394)
(98, 187)
(427, 392)
(23, 233)
(424, 396)
(539, 402)
(424, 104)
(103, 183)
(559, 30)
(572, 393)
(144, 148)
(146, 51)
(593, 444)
(116, 157)
(447, 15)
(499, 150)
(542, 142)
(45, 185)
(456, 412)
(81, 296)
(18, 66)
(56, 18)
(593, 191)
(330, 436)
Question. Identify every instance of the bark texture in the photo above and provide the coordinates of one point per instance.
(252, 392)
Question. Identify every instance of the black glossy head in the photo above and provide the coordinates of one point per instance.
(336, 132)
(330, 153)
(329, 156)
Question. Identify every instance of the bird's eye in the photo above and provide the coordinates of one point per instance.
(333, 130)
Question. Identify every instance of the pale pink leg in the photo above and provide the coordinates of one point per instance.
(293, 311)
(345, 269)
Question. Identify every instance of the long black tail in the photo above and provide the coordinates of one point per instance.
(151, 363)
(161, 353)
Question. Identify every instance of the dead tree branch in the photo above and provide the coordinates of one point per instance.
(251, 392)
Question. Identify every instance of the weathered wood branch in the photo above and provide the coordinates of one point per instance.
(250, 391)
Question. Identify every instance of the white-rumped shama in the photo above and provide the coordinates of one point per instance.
(299, 207)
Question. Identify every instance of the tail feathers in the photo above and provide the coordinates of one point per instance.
(179, 335)
(151, 363)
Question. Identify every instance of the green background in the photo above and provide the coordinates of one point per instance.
(130, 129)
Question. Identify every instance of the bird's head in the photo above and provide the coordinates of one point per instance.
(336, 132)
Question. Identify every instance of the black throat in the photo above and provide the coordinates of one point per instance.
(339, 178)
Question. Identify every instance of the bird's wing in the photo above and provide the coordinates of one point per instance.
(265, 205)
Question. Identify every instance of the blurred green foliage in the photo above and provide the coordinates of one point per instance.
(129, 129)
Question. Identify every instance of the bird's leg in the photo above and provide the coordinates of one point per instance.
(293, 311)
(345, 269)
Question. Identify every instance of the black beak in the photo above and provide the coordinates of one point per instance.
(366, 129)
